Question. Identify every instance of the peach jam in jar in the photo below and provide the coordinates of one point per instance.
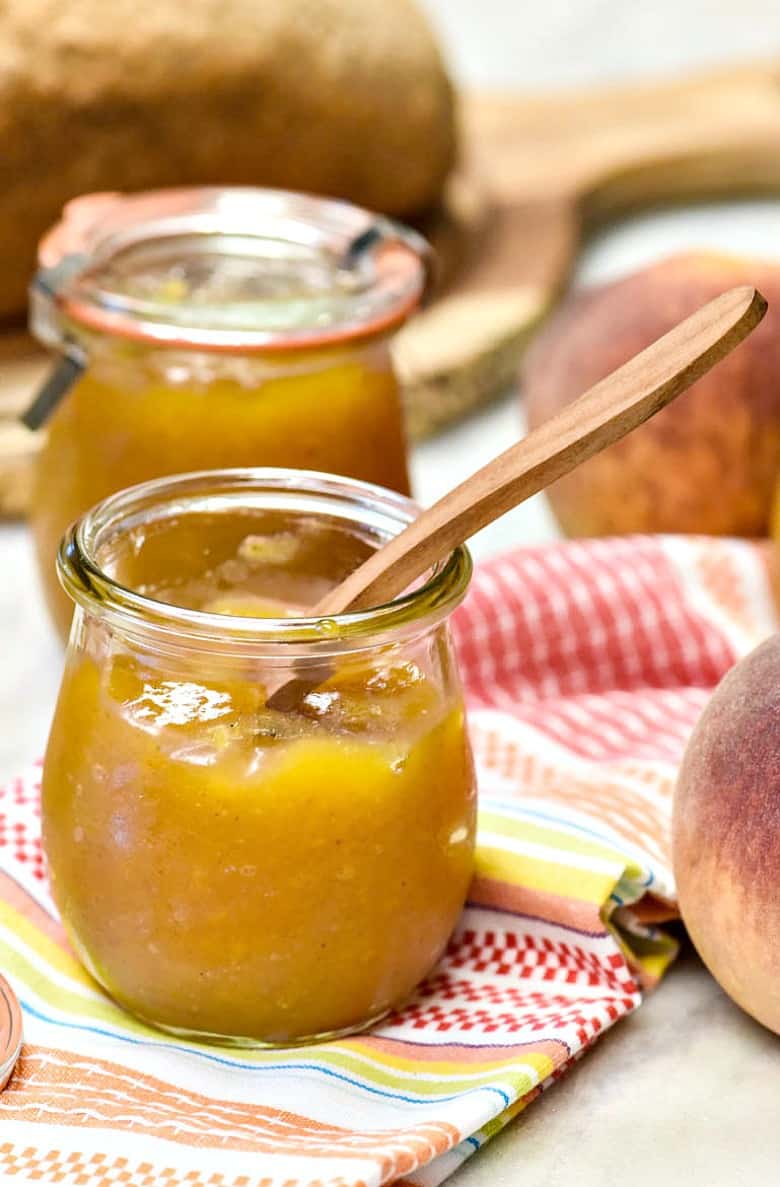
(205, 328)
(224, 868)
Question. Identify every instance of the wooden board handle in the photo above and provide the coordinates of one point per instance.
(576, 145)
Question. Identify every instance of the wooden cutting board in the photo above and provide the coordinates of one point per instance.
(537, 173)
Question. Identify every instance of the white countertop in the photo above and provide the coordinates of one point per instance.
(686, 1091)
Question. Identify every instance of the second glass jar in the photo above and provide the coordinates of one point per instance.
(208, 328)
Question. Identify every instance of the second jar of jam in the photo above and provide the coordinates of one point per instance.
(207, 327)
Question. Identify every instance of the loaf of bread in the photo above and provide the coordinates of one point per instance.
(344, 97)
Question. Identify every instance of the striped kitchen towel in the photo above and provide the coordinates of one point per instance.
(586, 665)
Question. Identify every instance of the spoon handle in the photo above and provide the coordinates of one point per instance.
(604, 414)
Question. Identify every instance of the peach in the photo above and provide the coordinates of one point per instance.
(726, 834)
(705, 464)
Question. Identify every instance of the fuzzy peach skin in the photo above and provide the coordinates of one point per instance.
(726, 834)
(705, 464)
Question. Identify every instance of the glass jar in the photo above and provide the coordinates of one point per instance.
(204, 328)
(225, 869)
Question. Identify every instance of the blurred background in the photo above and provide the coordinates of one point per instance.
(668, 112)
(576, 46)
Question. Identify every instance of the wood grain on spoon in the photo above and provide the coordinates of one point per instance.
(605, 413)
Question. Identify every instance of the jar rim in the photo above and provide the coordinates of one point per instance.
(10, 1031)
(89, 585)
(238, 252)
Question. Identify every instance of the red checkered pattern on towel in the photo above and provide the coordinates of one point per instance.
(585, 665)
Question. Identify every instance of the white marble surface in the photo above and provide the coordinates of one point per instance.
(684, 1091)
(687, 1091)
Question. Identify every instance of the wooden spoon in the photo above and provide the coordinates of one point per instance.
(630, 395)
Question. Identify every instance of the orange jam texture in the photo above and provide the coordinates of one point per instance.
(224, 868)
(124, 424)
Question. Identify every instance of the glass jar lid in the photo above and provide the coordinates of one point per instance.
(225, 269)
